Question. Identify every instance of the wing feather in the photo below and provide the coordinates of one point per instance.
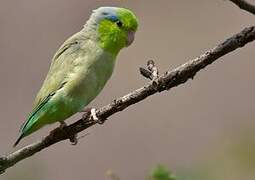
(62, 63)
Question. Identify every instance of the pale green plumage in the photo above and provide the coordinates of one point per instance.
(79, 70)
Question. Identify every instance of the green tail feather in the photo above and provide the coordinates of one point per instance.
(18, 140)
(23, 128)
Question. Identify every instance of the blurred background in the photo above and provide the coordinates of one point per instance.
(203, 129)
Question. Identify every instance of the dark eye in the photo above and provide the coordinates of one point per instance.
(119, 24)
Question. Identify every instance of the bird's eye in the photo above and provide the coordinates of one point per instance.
(119, 24)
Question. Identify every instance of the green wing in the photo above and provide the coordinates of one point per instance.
(62, 64)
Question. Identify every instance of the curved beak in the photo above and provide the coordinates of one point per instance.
(130, 37)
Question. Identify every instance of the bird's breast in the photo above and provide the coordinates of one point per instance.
(89, 77)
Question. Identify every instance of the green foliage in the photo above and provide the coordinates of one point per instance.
(161, 173)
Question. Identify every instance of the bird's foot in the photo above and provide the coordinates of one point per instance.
(92, 112)
(94, 116)
(86, 113)
(73, 139)
(62, 124)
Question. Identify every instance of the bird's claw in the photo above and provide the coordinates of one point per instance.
(92, 112)
(94, 116)
(74, 140)
(62, 124)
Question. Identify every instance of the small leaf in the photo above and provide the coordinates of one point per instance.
(162, 173)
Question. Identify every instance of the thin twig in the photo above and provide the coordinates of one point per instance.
(167, 81)
(151, 72)
(243, 4)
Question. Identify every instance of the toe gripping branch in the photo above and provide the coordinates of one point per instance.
(90, 114)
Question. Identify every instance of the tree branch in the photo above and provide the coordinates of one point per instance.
(243, 4)
(167, 81)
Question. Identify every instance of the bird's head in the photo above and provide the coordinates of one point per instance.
(115, 27)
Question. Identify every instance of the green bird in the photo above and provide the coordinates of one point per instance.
(81, 67)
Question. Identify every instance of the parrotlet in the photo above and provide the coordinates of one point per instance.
(81, 67)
